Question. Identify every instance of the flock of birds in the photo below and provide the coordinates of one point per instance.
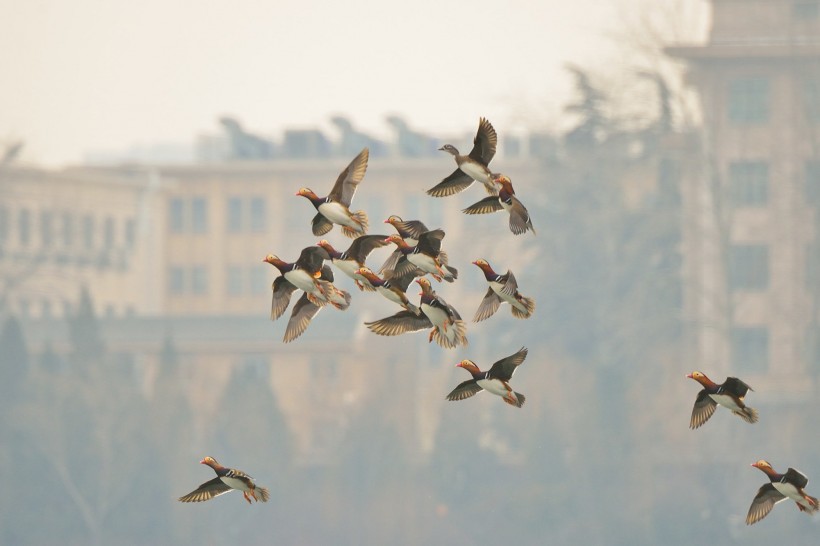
(418, 254)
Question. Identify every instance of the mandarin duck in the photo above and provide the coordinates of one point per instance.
(410, 231)
(226, 480)
(503, 289)
(471, 167)
(495, 380)
(780, 487)
(520, 220)
(304, 274)
(448, 330)
(729, 394)
(426, 256)
(352, 259)
(334, 209)
(392, 288)
(304, 310)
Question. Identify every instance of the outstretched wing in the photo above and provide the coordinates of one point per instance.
(345, 186)
(458, 181)
(735, 386)
(320, 225)
(485, 206)
(303, 312)
(703, 410)
(311, 258)
(362, 246)
(411, 228)
(464, 390)
(510, 286)
(796, 477)
(400, 323)
(430, 242)
(484, 143)
(206, 491)
(504, 368)
(488, 306)
(767, 496)
(520, 220)
(282, 290)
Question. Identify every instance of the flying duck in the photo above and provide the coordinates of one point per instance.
(304, 310)
(730, 395)
(426, 256)
(780, 487)
(503, 289)
(471, 167)
(304, 274)
(353, 258)
(448, 329)
(334, 209)
(410, 231)
(226, 480)
(495, 380)
(520, 220)
(393, 288)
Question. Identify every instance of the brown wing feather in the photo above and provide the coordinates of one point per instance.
(466, 389)
(488, 306)
(282, 290)
(767, 496)
(484, 143)
(504, 368)
(485, 206)
(206, 491)
(400, 323)
(345, 187)
(703, 410)
(303, 312)
(458, 181)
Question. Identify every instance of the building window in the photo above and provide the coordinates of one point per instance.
(234, 214)
(749, 183)
(176, 215)
(259, 283)
(176, 280)
(257, 214)
(88, 232)
(199, 280)
(130, 232)
(68, 229)
(811, 98)
(4, 224)
(750, 349)
(805, 10)
(234, 280)
(199, 215)
(24, 227)
(749, 267)
(108, 232)
(749, 100)
(46, 228)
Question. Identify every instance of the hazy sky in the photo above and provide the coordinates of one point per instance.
(86, 75)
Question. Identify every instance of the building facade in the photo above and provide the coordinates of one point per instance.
(750, 205)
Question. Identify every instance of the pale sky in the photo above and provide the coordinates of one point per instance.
(91, 75)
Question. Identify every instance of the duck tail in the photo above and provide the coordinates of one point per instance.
(515, 399)
(262, 493)
(340, 299)
(529, 308)
(747, 414)
(360, 217)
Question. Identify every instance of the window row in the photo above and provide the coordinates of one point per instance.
(749, 99)
(749, 183)
(239, 280)
(243, 214)
(67, 229)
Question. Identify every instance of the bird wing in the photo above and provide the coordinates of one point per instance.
(400, 323)
(282, 290)
(458, 181)
(504, 368)
(519, 217)
(303, 312)
(345, 186)
(703, 410)
(485, 206)
(412, 228)
(767, 496)
(735, 386)
(327, 273)
(311, 259)
(488, 306)
(484, 143)
(391, 261)
(465, 389)
(510, 286)
(362, 246)
(206, 491)
(430, 242)
(796, 478)
(402, 268)
(403, 281)
(320, 225)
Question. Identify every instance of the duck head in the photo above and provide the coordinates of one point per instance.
(468, 365)
(449, 148)
(307, 192)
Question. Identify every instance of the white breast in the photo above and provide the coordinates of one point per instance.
(337, 213)
(476, 172)
(789, 490)
(726, 401)
(494, 386)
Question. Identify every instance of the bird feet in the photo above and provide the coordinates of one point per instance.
(247, 498)
(430, 337)
(435, 277)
